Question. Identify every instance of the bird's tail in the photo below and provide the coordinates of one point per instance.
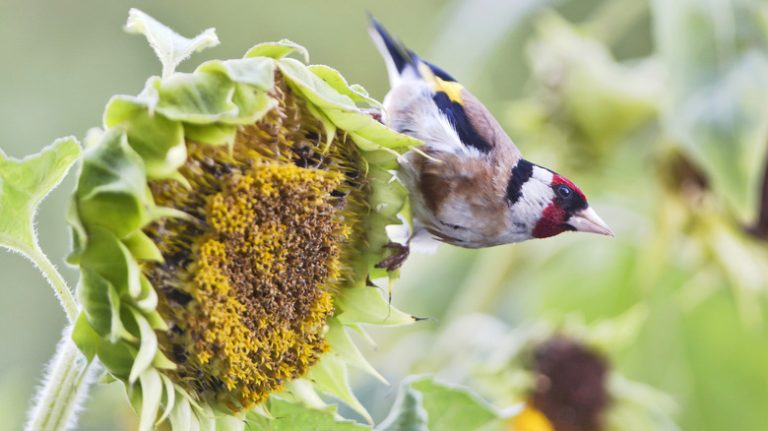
(398, 58)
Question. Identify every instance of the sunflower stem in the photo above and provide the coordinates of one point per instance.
(54, 278)
(64, 388)
(67, 377)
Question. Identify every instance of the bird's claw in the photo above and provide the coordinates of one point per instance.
(375, 114)
(396, 260)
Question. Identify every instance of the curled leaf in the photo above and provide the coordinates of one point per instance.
(171, 48)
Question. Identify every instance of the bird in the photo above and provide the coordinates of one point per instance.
(469, 184)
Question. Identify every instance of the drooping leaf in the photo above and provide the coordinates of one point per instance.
(170, 47)
(158, 140)
(259, 71)
(111, 190)
(205, 98)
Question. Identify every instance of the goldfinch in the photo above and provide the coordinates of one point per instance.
(469, 184)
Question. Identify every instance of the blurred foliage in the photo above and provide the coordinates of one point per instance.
(656, 107)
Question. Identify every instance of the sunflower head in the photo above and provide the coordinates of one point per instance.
(225, 223)
(570, 390)
(566, 381)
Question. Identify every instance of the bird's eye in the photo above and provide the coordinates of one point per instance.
(563, 192)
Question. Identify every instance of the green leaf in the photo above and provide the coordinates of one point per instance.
(24, 183)
(445, 408)
(182, 417)
(335, 79)
(117, 357)
(259, 71)
(330, 376)
(151, 395)
(170, 47)
(142, 247)
(112, 260)
(206, 97)
(197, 98)
(93, 294)
(313, 87)
(387, 198)
(169, 395)
(158, 140)
(252, 104)
(367, 305)
(147, 299)
(278, 50)
(211, 134)
(85, 338)
(343, 346)
(288, 416)
(408, 413)
(147, 349)
(111, 191)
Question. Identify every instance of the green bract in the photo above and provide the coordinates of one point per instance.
(226, 223)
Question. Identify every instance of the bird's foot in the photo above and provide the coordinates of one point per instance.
(396, 260)
(375, 114)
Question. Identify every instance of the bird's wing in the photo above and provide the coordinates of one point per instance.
(468, 119)
(476, 126)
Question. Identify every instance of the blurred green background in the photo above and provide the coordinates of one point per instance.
(656, 108)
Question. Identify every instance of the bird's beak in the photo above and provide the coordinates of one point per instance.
(587, 220)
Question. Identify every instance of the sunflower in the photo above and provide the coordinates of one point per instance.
(570, 390)
(227, 223)
(567, 381)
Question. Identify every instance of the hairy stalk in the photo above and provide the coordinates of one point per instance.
(68, 375)
(54, 278)
(64, 388)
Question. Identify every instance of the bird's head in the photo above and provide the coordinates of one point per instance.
(544, 203)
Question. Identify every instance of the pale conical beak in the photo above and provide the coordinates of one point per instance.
(587, 220)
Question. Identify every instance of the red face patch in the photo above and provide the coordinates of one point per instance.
(551, 223)
(558, 180)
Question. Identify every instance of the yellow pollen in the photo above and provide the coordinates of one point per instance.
(247, 282)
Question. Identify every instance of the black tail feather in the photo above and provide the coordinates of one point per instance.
(401, 56)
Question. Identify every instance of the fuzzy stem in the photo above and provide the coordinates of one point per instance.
(66, 385)
(54, 278)
(68, 374)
